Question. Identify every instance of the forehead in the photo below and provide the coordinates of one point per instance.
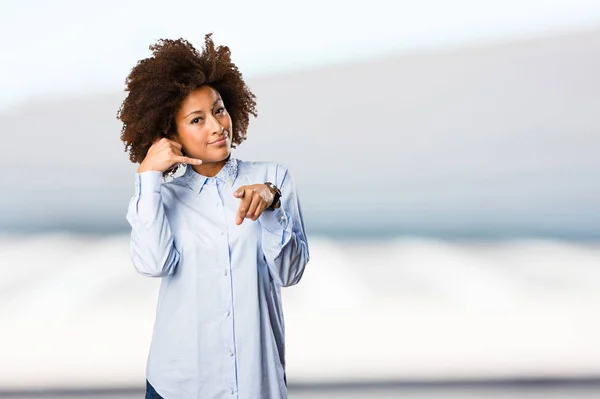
(200, 99)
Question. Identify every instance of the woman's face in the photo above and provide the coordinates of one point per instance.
(204, 126)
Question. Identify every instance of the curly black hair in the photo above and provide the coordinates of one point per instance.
(157, 85)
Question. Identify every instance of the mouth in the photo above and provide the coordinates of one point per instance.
(219, 142)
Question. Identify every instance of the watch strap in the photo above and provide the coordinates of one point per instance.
(276, 196)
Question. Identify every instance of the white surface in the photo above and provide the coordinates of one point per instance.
(75, 314)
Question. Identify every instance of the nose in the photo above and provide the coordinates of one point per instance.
(215, 126)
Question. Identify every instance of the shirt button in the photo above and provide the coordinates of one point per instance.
(231, 391)
(222, 233)
(230, 352)
(225, 272)
(227, 313)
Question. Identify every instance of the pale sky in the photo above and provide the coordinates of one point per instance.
(68, 47)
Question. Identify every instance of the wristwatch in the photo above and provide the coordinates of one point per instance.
(277, 196)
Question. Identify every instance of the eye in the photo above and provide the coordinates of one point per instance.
(196, 120)
(221, 110)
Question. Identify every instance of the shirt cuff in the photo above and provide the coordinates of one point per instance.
(148, 182)
(275, 220)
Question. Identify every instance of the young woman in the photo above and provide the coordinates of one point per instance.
(224, 236)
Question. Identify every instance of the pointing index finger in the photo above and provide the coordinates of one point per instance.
(243, 208)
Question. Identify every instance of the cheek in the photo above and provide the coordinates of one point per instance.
(229, 125)
(193, 134)
(226, 121)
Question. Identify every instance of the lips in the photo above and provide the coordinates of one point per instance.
(221, 140)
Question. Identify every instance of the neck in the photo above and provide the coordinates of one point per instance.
(210, 169)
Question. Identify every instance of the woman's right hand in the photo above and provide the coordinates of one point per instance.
(163, 154)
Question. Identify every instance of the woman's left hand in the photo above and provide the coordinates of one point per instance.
(255, 199)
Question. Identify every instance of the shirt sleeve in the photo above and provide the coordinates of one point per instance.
(283, 238)
(151, 246)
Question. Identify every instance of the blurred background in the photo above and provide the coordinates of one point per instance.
(445, 155)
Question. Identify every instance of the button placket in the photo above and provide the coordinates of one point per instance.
(223, 241)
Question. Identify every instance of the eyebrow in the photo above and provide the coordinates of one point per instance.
(200, 111)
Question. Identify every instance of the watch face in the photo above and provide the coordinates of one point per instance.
(273, 188)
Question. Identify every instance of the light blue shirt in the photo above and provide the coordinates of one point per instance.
(219, 328)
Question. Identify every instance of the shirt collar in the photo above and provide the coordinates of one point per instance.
(227, 174)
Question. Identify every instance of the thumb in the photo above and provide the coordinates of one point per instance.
(239, 193)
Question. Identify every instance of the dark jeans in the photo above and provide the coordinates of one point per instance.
(151, 393)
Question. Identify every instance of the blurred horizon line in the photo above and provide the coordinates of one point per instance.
(369, 232)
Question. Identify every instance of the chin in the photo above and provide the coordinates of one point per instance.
(218, 154)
